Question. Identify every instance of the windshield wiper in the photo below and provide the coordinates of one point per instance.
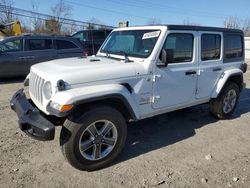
(126, 59)
(107, 53)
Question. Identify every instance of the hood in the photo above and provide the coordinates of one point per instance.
(82, 70)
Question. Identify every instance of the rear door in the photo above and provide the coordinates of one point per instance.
(210, 63)
(39, 50)
(12, 58)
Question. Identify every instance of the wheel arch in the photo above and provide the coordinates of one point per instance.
(119, 96)
(235, 76)
(117, 101)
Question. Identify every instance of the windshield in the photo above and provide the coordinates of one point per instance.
(134, 43)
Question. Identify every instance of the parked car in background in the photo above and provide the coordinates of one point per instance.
(18, 54)
(92, 39)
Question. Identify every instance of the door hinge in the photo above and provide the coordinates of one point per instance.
(199, 71)
(196, 91)
(154, 99)
(155, 77)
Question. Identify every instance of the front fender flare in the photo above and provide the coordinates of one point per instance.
(87, 94)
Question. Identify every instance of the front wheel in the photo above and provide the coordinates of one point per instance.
(93, 139)
(224, 106)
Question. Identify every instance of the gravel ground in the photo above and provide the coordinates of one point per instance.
(186, 148)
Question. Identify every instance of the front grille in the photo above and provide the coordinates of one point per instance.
(36, 86)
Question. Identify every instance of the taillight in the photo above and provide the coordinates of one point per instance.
(85, 52)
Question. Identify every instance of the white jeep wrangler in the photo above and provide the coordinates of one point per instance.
(139, 72)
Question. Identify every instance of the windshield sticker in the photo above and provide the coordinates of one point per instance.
(151, 35)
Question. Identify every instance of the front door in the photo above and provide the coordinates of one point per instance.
(175, 85)
(12, 58)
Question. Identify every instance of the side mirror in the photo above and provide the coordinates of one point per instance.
(166, 56)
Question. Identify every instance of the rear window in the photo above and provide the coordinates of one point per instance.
(233, 46)
(39, 44)
(64, 44)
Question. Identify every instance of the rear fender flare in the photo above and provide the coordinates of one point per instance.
(225, 76)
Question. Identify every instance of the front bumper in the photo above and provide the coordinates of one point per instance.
(30, 120)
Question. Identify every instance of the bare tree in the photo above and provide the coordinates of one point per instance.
(246, 27)
(93, 22)
(232, 23)
(6, 14)
(60, 11)
(38, 24)
(188, 22)
(236, 23)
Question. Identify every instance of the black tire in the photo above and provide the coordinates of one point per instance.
(75, 126)
(216, 105)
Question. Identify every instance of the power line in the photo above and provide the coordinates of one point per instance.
(177, 8)
(180, 11)
(107, 10)
(153, 7)
(42, 16)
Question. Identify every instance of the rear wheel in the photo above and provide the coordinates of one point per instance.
(224, 106)
(93, 139)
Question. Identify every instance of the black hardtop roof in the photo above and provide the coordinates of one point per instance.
(202, 28)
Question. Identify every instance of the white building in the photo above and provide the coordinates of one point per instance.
(247, 48)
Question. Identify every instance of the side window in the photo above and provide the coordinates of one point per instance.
(12, 46)
(233, 46)
(99, 35)
(65, 44)
(210, 47)
(179, 47)
(82, 35)
(39, 44)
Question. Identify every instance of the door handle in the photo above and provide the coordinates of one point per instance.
(22, 57)
(30, 57)
(191, 72)
(217, 69)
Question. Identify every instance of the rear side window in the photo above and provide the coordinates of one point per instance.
(179, 46)
(233, 46)
(98, 35)
(39, 44)
(210, 47)
(64, 44)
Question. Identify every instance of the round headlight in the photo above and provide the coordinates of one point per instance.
(47, 90)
